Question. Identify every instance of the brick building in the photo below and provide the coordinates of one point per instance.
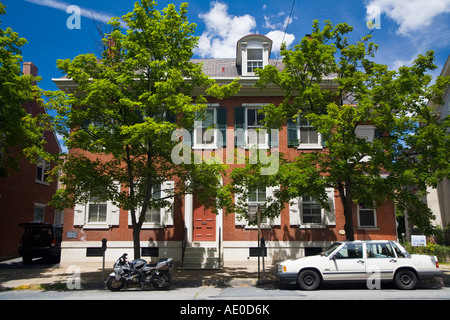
(302, 228)
(24, 195)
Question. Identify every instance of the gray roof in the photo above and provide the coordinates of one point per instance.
(218, 68)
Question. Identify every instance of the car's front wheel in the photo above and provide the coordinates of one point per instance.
(308, 280)
(405, 279)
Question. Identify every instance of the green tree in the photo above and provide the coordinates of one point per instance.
(120, 121)
(20, 133)
(336, 86)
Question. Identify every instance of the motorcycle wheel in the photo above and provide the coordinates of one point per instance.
(115, 285)
(163, 281)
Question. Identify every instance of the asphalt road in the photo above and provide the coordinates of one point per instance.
(269, 292)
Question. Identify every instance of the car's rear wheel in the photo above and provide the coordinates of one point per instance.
(405, 279)
(308, 280)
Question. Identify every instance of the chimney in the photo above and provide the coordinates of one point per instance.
(30, 68)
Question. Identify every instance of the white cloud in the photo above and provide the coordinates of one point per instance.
(224, 30)
(60, 5)
(278, 37)
(410, 15)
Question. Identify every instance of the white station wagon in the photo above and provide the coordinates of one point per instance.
(366, 261)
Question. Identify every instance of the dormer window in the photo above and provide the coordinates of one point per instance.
(253, 52)
(254, 60)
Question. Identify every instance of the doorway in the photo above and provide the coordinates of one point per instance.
(204, 224)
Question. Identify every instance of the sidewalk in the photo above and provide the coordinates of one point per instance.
(14, 275)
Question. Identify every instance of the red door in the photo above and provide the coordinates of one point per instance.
(204, 223)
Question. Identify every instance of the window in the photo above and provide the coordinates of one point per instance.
(254, 123)
(380, 250)
(303, 135)
(254, 60)
(307, 212)
(39, 210)
(153, 215)
(308, 135)
(255, 198)
(97, 206)
(158, 216)
(97, 210)
(311, 211)
(350, 251)
(366, 216)
(43, 168)
(201, 136)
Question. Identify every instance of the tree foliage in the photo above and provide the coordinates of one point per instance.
(120, 119)
(20, 132)
(336, 85)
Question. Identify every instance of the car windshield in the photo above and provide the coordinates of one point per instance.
(330, 249)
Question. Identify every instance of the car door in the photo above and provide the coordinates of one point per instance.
(381, 260)
(348, 263)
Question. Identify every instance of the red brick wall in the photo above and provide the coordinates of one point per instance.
(385, 214)
(19, 191)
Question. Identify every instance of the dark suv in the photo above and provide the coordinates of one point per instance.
(41, 240)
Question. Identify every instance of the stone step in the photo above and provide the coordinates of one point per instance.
(201, 258)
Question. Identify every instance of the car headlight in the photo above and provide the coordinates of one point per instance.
(281, 268)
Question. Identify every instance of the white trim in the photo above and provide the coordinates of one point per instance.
(210, 146)
(374, 217)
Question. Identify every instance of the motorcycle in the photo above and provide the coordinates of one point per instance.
(138, 273)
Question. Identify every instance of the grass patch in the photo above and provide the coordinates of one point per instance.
(43, 286)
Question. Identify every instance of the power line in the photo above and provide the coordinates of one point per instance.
(285, 30)
(289, 20)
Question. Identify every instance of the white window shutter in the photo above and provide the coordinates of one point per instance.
(79, 214)
(270, 194)
(294, 211)
(330, 216)
(167, 213)
(112, 210)
(238, 219)
(113, 214)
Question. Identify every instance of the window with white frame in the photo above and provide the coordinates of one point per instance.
(97, 209)
(262, 197)
(254, 60)
(153, 215)
(307, 212)
(308, 135)
(98, 212)
(256, 197)
(158, 217)
(367, 216)
(204, 131)
(254, 135)
(42, 172)
(311, 211)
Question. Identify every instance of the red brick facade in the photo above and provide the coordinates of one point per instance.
(235, 239)
(21, 192)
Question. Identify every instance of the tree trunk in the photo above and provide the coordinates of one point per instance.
(136, 242)
(345, 194)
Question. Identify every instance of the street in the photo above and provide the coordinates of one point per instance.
(335, 292)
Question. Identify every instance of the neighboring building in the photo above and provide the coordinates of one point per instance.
(25, 194)
(439, 199)
(303, 227)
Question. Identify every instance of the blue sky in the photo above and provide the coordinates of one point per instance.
(406, 27)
